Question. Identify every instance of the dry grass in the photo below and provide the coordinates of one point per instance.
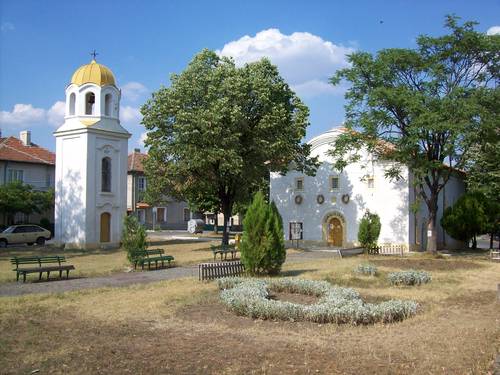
(90, 263)
(180, 327)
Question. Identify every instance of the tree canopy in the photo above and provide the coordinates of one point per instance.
(218, 131)
(16, 197)
(419, 107)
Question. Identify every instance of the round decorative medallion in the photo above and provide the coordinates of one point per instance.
(298, 199)
(320, 199)
(345, 198)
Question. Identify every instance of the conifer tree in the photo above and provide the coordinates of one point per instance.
(133, 237)
(262, 245)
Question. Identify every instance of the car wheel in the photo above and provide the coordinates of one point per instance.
(40, 241)
(3, 243)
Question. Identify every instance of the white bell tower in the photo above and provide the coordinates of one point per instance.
(91, 162)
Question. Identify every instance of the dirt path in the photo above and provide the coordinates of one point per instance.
(123, 278)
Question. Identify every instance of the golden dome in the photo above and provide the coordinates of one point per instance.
(93, 73)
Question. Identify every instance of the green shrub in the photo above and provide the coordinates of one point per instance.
(133, 238)
(366, 269)
(369, 230)
(410, 277)
(466, 218)
(250, 297)
(262, 246)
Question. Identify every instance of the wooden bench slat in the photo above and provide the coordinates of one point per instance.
(39, 260)
(210, 271)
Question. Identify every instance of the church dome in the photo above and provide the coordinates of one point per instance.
(93, 73)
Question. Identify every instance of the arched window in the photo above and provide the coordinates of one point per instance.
(106, 174)
(72, 99)
(89, 103)
(107, 105)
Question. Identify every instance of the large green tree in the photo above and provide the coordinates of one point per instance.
(16, 197)
(218, 131)
(417, 107)
(483, 167)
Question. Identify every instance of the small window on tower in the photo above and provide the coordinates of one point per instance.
(107, 105)
(72, 99)
(299, 184)
(334, 182)
(106, 175)
(89, 103)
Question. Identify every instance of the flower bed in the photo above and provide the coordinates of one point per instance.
(250, 297)
(366, 269)
(410, 277)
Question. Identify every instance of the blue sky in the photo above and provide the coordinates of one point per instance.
(43, 42)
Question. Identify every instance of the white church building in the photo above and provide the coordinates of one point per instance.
(327, 208)
(91, 162)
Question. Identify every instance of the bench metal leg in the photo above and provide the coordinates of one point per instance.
(60, 274)
(67, 274)
(39, 276)
(17, 275)
(24, 277)
(48, 274)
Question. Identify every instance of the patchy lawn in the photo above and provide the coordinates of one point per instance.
(179, 326)
(90, 263)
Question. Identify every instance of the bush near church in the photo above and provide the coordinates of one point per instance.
(133, 237)
(262, 246)
(369, 230)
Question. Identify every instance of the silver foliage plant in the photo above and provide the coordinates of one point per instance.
(410, 277)
(366, 269)
(250, 297)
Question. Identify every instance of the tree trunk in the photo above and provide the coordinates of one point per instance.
(491, 240)
(216, 221)
(226, 210)
(431, 234)
(474, 241)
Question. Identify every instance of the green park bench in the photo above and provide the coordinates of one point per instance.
(223, 250)
(45, 264)
(156, 256)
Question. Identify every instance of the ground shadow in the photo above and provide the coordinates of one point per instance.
(290, 273)
(427, 264)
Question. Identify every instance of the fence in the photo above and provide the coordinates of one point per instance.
(390, 249)
(210, 271)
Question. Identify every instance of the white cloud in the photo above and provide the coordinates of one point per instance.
(133, 90)
(55, 115)
(142, 139)
(305, 60)
(7, 26)
(22, 114)
(493, 30)
(316, 87)
(130, 114)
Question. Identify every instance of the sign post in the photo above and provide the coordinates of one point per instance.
(296, 232)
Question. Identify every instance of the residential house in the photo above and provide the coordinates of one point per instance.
(23, 160)
(172, 214)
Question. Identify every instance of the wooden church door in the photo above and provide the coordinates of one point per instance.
(335, 232)
(105, 227)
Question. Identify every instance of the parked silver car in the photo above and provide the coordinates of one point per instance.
(29, 234)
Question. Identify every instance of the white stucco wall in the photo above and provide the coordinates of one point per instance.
(418, 220)
(81, 144)
(391, 200)
(387, 198)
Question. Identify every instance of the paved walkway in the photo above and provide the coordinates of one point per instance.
(124, 278)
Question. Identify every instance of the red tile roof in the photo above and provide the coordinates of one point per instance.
(13, 149)
(135, 162)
